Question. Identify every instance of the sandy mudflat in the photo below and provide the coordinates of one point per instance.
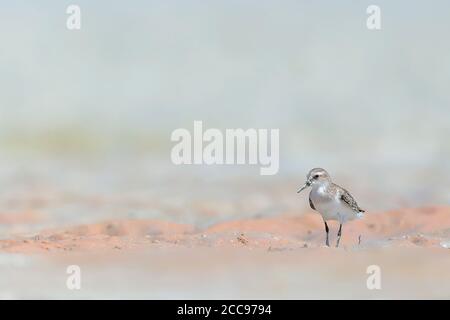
(421, 227)
(275, 257)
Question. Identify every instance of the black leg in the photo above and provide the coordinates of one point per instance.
(327, 230)
(339, 235)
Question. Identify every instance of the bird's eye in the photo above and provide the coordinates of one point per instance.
(316, 176)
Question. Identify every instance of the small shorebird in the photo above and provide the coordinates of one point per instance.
(330, 200)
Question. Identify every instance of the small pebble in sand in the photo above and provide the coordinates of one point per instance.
(418, 240)
(445, 244)
(241, 238)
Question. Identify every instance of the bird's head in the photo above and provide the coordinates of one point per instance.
(315, 176)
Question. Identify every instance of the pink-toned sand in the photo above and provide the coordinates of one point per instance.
(420, 227)
(267, 258)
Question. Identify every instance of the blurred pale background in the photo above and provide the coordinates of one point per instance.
(86, 116)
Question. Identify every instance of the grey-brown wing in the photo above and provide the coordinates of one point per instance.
(348, 199)
(311, 204)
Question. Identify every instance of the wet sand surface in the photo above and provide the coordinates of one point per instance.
(281, 256)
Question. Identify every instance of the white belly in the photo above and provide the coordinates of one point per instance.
(331, 208)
